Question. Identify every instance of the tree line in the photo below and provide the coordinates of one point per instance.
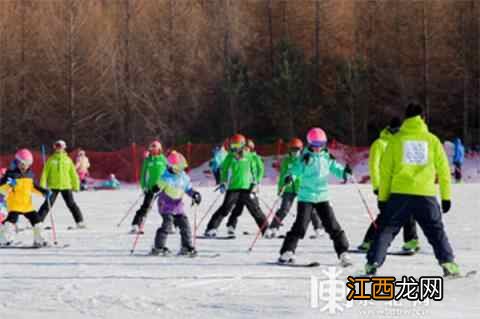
(104, 73)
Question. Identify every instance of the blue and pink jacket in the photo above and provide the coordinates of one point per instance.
(172, 187)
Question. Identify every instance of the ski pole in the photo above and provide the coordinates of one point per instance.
(195, 212)
(260, 230)
(270, 208)
(130, 209)
(208, 210)
(49, 205)
(140, 230)
(370, 214)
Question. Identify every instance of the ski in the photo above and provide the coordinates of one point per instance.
(391, 253)
(183, 256)
(468, 274)
(34, 247)
(217, 237)
(295, 265)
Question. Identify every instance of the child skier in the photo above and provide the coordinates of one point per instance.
(312, 170)
(260, 172)
(152, 169)
(289, 192)
(458, 158)
(173, 184)
(82, 164)
(18, 186)
(60, 176)
(239, 175)
(219, 154)
(111, 183)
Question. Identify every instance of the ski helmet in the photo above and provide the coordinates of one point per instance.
(316, 137)
(251, 145)
(155, 148)
(60, 145)
(176, 161)
(237, 142)
(295, 143)
(24, 157)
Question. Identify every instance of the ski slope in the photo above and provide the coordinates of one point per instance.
(97, 278)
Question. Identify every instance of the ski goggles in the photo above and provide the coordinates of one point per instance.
(25, 163)
(235, 147)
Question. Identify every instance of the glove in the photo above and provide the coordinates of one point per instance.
(196, 197)
(153, 190)
(331, 156)
(381, 206)
(375, 191)
(446, 204)
(11, 182)
(306, 157)
(288, 180)
(347, 171)
(222, 188)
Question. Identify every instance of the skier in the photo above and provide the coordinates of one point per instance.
(260, 173)
(219, 154)
(289, 192)
(173, 184)
(152, 169)
(111, 183)
(18, 185)
(82, 164)
(413, 159)
(238, 177)
(410, 237)
(458, 158)
(312, 170)
(60, 176)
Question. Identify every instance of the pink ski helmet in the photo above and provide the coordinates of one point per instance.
(316, 137)
(24, 157)
(176, 161)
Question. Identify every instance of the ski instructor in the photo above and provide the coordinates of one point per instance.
(409, 166)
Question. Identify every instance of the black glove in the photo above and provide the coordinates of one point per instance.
(446, 204)
(375, 191)
(306, 157)
(347, 171)
(196, 197)
(288, 180)
(153, 190)
(381, 206)
(331, 156)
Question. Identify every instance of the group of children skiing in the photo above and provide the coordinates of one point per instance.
(404, 164)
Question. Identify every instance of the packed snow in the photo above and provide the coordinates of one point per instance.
(96, 277)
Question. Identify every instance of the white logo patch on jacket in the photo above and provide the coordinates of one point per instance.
(415, 152)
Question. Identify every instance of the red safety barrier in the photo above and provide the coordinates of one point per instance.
(126, 163)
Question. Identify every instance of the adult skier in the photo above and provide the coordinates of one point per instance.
(414, 158)
(410, 236)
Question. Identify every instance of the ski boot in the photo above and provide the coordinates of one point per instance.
(319, 232)
(210, 233)
(371, 269)
(270, 233)
(6, 234)
(365, 246)
(231, 231)
(450, 269)
(38, 240)
(411, 246)
(81, 225)
(162, 251)
(287, 257)
(187, 251)
(345, 260)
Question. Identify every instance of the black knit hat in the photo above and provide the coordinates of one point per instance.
(395, 123)
(413, 109)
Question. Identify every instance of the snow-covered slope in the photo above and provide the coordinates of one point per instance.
(97, 278)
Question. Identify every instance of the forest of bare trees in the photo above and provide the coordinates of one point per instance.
(103, 73)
